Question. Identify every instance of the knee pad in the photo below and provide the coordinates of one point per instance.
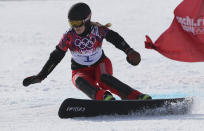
(86, 87)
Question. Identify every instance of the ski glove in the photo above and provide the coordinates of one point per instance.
(133, 57)
(32, 80)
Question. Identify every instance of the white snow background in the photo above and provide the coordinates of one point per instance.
(30, 30)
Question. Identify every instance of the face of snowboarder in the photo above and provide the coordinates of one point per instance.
(79, 29)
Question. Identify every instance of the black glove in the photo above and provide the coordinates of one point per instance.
(133, 57)
(31, 80)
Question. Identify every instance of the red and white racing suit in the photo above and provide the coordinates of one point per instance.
(88, 59)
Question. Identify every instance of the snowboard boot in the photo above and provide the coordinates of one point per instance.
(144, 97)
(108, 96)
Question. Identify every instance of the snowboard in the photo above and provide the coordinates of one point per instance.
(72, 107)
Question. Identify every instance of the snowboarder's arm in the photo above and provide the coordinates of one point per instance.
(133, 57)
(117, 40)
(55, 57)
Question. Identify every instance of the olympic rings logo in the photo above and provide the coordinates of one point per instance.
(84, 43)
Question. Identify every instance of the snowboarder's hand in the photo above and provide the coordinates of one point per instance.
(31, 80)
(133, 57)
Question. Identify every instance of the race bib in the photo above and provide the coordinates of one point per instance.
(87, 58)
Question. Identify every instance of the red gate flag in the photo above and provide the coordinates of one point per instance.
(184, 39)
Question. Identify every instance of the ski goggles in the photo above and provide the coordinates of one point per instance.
(76, 23)
(79, 23)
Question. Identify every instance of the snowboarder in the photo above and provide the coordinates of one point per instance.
(91, 68)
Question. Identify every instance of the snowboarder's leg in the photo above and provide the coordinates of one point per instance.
(125, 91)
(83, 80)
(86, 87)
(105, 67)
(106, 81)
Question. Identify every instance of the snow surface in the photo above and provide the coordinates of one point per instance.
(30, 30)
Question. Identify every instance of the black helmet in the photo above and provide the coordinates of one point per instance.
(79, 11)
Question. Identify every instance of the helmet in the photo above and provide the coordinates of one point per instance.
(79, 12)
